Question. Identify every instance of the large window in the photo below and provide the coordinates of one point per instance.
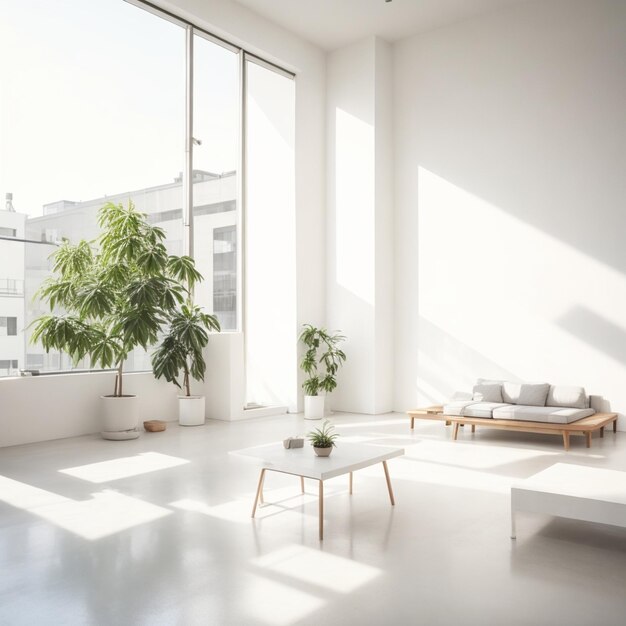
(215, 165)
(114, 101)
(92, 110)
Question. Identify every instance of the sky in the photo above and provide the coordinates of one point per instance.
(92, 101)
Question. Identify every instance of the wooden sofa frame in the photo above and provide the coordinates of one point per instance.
(585, 426)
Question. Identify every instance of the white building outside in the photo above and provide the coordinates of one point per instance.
(26, 244)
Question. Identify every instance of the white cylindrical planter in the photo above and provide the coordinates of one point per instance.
(191, 410)
(120, 416)
(314, 407)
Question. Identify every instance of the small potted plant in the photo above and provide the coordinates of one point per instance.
(322, 350)
(181, 352)
(323, 439)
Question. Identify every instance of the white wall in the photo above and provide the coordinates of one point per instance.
(510, 148)
(359, 222)
(270, 254)
(40, 408)
(384, 194)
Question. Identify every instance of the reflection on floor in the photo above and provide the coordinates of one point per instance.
(158, 531)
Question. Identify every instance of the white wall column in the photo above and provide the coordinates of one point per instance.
(360, 222)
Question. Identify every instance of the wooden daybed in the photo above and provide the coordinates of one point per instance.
(585, 426)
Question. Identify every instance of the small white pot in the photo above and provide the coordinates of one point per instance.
(314, 407)
(191, 410)
(120, 416)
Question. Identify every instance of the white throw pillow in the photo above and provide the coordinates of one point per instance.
(533, 395)
(510, 392)
(487, 393)
(562, 396)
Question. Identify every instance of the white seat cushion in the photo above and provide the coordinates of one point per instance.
(552, 415)
(456, 407)
(482, 409)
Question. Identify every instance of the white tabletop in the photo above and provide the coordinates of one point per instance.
(578, 481)
(346, 457)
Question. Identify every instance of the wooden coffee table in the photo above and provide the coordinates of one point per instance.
(345, 459)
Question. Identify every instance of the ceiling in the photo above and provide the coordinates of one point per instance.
(334, 23)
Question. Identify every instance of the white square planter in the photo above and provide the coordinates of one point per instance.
(191, 410)
(314, 407)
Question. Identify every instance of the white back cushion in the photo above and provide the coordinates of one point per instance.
(562, 395)
(510, 392)
(533, 394)
(491, 392)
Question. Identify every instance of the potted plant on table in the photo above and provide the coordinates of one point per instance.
(323, 439)
(181, 352)
(322, 351)
(113, 295)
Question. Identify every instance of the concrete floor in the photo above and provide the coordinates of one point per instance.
(160, 533)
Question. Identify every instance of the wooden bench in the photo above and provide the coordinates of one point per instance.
(585, 426)
(434, 412)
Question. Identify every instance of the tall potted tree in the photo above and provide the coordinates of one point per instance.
(110, 296)
(180, 352)
(321, 362)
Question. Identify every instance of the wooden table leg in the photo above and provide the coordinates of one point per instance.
(350, 483)
(321, 512)
(393, 502)
(455, 432)
(566, 439)
(259, 491)
(302, 484)
(602, 432)
(588, 438)
(261, 498)
(412, 423)
(473, 428)
(615, 425)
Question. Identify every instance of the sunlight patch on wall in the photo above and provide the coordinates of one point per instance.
(354, 205)
(501, 298)
(124, 467)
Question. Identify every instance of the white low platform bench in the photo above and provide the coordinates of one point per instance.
(573, 491)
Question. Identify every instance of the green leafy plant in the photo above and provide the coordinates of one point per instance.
(181, 349)
(323, 437)
(321, 350)
(114, 293)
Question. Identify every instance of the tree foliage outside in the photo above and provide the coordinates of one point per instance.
(322, 359)
(114, 294)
